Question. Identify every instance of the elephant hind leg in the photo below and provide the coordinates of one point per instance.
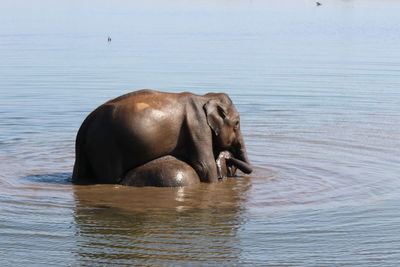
(163, 172)
(82, 173)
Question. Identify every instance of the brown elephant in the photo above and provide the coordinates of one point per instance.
(168, 171)
(136, 128)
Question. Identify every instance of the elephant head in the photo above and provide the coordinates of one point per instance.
(224, 121)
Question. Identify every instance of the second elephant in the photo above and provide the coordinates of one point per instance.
(168, 171)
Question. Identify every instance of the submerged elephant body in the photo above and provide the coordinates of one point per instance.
(137, 128)
(168, 171)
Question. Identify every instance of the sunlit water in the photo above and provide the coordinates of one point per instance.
(318, 93)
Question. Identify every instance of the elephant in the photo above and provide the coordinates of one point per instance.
(136, 128)
(168, 171)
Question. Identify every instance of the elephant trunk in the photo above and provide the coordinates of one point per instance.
(241, 165)
(241, 154)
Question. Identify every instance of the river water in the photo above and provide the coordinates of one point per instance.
(318, 90)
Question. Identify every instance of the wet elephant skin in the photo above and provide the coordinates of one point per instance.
(164, 172)
(136, 128)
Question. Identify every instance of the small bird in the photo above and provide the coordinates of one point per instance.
(318, 3)
(109, 38)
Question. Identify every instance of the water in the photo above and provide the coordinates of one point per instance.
(318, 93)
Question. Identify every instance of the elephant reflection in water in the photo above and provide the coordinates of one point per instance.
(177, 138)
(123, 225)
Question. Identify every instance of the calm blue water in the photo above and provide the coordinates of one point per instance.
(318, 90)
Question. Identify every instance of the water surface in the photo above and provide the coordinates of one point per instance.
(318, 93)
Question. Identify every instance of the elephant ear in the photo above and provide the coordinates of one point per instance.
(216, 113)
